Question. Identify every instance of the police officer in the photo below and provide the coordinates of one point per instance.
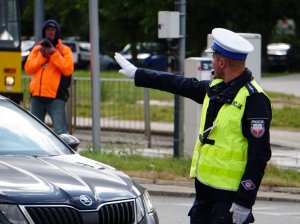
(233, 147)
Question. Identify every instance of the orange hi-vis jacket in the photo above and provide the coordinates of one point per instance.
(47, 72)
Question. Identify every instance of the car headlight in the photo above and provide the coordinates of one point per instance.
(148, 203)
(12, 213)
(140, 209)
(143, 202)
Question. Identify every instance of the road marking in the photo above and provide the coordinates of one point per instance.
(272, 211)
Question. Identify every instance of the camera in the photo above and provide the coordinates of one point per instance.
(46, 43)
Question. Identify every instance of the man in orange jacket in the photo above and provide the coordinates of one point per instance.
(51, 65)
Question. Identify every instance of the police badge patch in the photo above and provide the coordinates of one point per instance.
(257, 128)
(248, 184)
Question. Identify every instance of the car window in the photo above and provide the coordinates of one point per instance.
(84, 47)
(145, 47)
(126, 49)
(149, 47)
(22, 134)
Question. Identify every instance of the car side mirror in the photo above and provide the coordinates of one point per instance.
(70, 140)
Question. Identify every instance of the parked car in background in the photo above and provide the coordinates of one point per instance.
(43, 180)
(81, 55)
(150, 55)
(283, 56)
(26, 46)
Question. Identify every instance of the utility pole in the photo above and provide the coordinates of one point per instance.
(180, 6)
(95, 69)
(39, 18)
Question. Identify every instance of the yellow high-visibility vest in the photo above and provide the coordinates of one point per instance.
(222, 163)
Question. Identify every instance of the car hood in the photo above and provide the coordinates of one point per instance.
(66, 179)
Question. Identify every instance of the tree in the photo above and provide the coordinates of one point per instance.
(72, 16)
(131, 21)
(258, 16)
(121, 22)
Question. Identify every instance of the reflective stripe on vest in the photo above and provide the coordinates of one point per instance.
(222, 164)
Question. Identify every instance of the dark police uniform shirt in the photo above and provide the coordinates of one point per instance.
(255, 124)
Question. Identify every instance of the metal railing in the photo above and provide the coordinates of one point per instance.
(123, 107)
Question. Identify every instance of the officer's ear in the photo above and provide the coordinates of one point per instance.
(222, 62)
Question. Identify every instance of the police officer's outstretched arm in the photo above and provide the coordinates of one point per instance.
(172, 83)
(127, 68)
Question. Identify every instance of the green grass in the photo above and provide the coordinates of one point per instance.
(286, 111)
(279, 177)
(286, 117)
(120, 101)
(178, 169)
(140, 166)
(103, 74)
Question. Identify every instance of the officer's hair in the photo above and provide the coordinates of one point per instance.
(236, 63)
(233, 63)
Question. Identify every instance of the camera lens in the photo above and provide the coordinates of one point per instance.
(46, 42)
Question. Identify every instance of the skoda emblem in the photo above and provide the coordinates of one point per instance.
(86, 200)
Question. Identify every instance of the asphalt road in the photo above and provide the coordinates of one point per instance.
(174, 210)
(283, 84)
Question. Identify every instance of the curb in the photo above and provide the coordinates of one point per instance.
(186, 189)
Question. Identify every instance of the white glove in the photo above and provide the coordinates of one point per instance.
(239, 213)
(128, 69)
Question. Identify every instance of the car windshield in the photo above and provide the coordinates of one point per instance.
(84, 46)
(22, 134)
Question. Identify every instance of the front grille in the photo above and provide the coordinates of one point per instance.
(118, 213)
(54, 215)
(121, 212)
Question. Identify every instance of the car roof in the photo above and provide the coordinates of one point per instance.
(82, 44)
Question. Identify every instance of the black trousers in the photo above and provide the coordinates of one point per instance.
(211, 206)
(205, 212)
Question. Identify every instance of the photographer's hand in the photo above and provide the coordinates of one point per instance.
(47, 51)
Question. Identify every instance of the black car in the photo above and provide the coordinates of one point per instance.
(283, 57)
(43, 180)
(81, 55)
(150, 55)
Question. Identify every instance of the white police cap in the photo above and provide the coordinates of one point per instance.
(230, 44)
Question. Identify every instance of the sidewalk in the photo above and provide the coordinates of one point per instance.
(288, 84)
(170, 188)
(285, 138)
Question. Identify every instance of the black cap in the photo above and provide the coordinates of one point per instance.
(52, 24)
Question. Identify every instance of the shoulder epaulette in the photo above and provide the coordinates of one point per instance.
(251, 88)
